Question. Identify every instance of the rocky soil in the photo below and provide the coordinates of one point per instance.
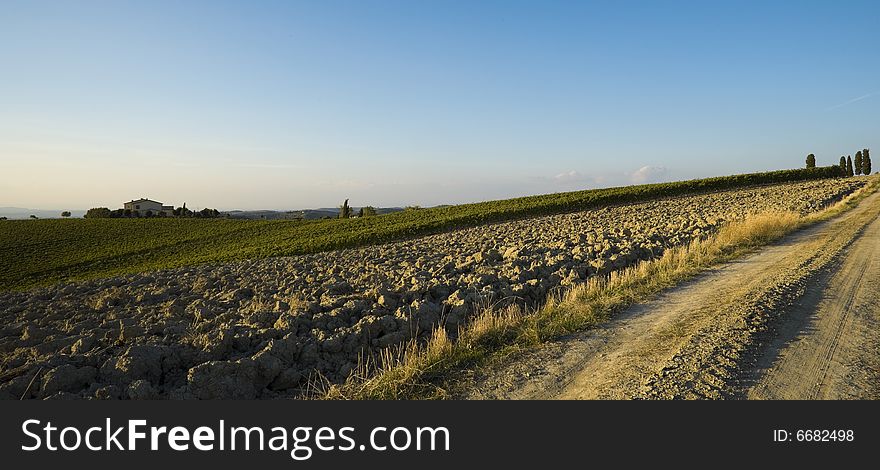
(260, 329)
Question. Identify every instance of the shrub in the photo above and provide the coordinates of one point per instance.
(65, 214)
(811, 161)
(98, 213)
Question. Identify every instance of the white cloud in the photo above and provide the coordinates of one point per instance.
(572, 176)
(649, 174)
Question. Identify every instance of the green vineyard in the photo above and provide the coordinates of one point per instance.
(41, 252)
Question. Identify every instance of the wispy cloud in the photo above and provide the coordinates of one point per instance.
(572, 176)
(649, 174)
(268, 166)
(854, 100)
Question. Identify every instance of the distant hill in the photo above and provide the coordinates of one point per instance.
(23, 213)
(307, 214)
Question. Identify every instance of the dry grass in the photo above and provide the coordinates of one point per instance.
(413, 370)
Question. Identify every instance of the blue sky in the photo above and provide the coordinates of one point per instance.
(260, 104)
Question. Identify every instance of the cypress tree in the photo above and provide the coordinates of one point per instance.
(866, 162)
(811, 161)
(849, 166)
(857, 163)
(842, 165)
(344, 210)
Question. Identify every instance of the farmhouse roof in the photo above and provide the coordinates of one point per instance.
(145, 200)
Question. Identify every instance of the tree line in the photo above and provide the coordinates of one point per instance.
(179, 212)
(346, 212)
(861, 165)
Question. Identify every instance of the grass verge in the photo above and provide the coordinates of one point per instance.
(416, 369)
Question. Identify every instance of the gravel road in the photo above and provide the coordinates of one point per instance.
(826, 347)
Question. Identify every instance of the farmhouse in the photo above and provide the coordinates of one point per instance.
(141, 206)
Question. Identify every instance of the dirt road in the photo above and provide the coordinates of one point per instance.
(798, 320)
(828, 347)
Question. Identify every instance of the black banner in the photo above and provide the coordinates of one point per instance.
(401, 434)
